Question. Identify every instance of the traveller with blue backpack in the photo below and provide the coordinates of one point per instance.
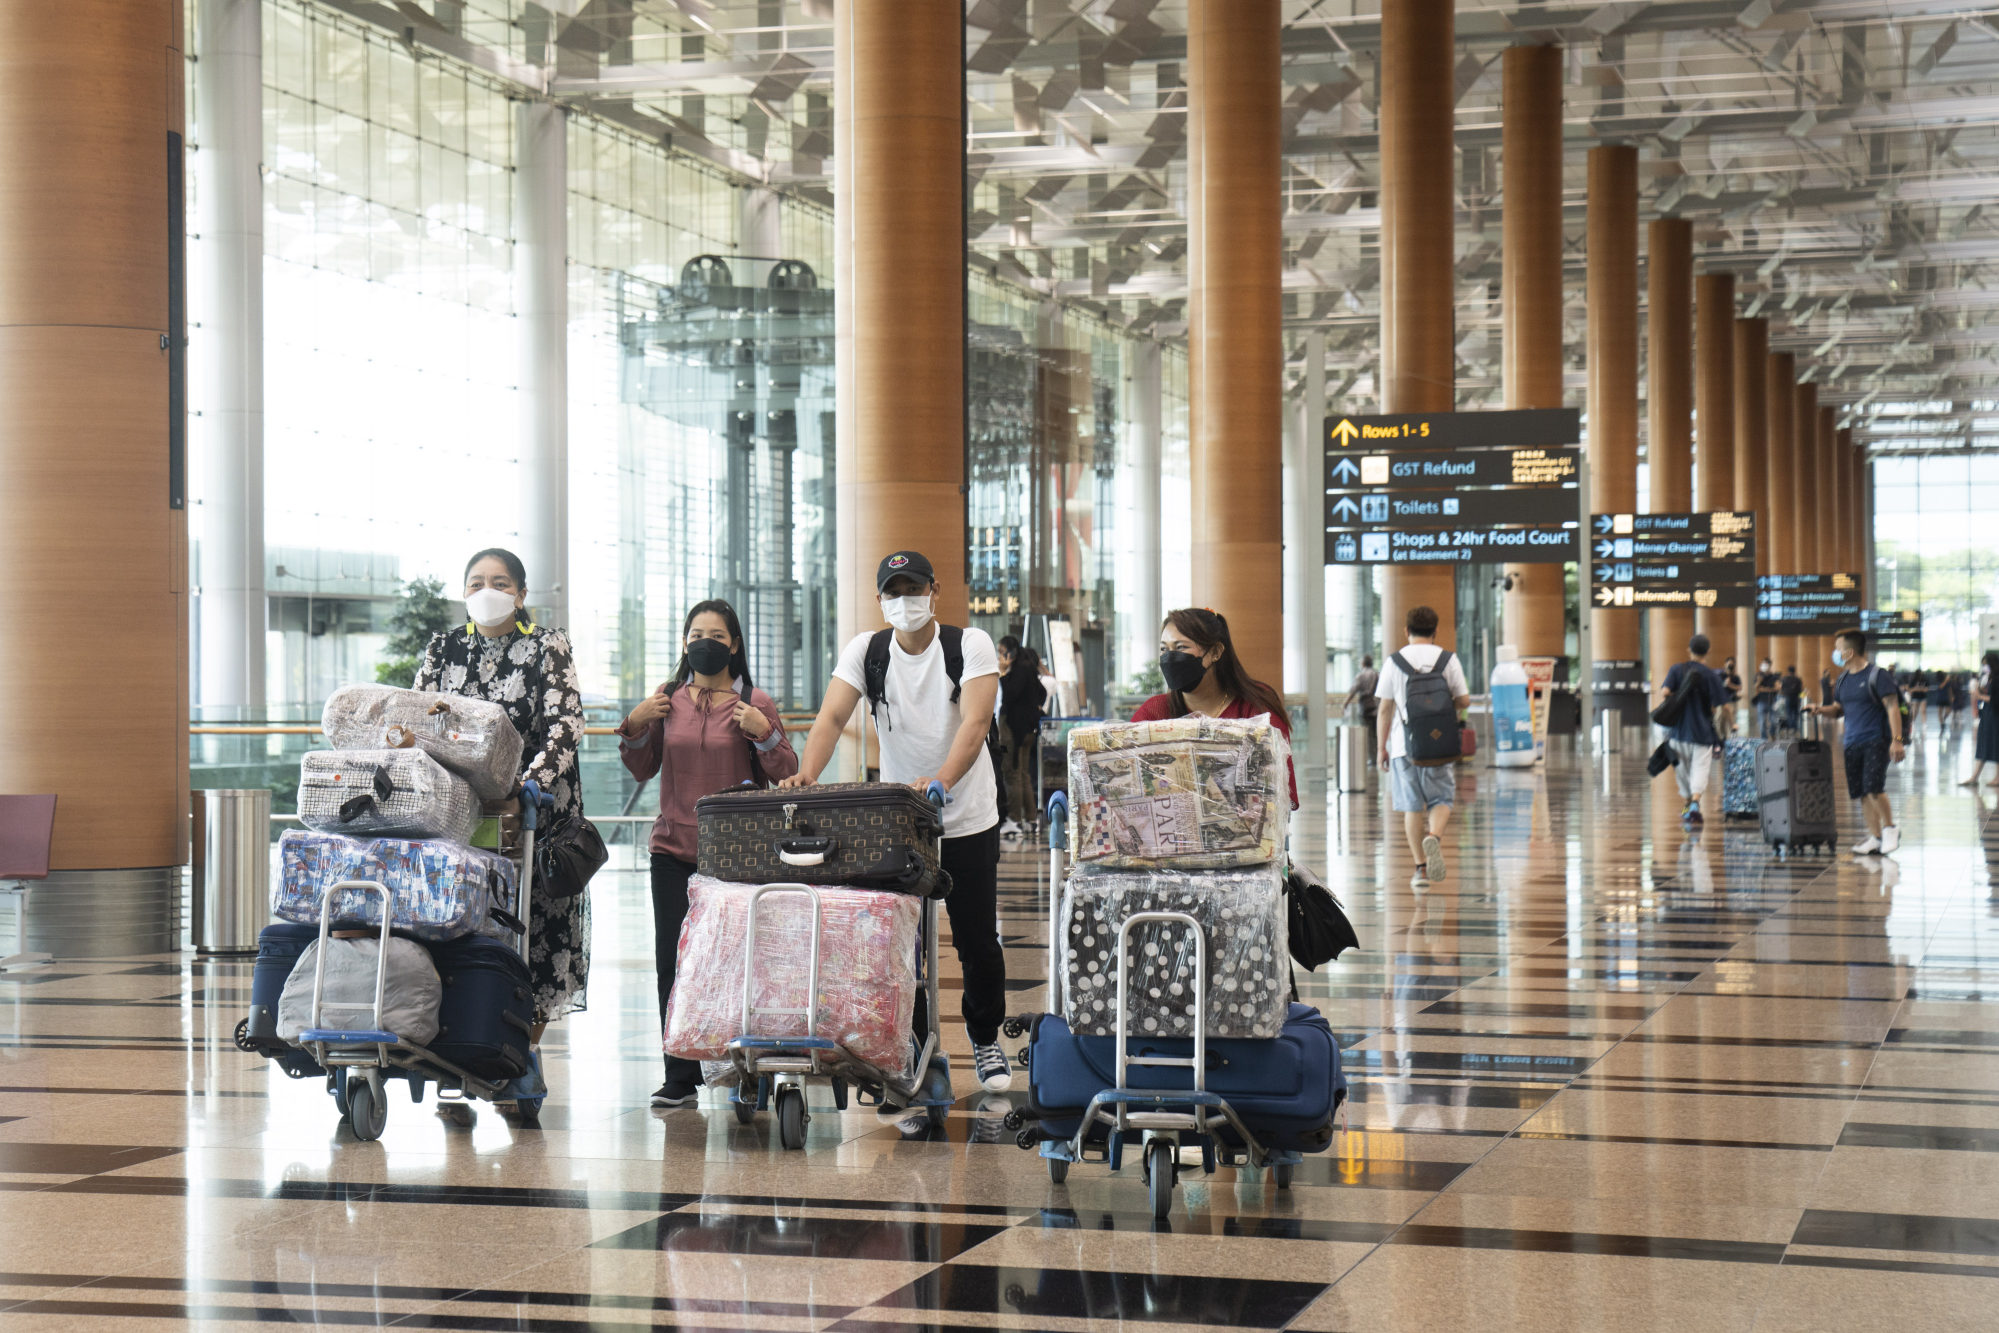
(1423, 693)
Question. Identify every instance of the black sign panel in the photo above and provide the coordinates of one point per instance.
(1431, 471)
(1447, 509)
(1704, 560)
(1807, 603)
(1453, 430)
(1894, 630)
(1542, 544)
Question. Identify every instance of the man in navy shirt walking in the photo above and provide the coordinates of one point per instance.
(1693, 736)
(1865, 695)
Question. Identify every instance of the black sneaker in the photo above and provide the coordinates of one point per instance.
(674, 1092)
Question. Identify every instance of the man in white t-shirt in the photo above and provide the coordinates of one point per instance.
(933, 728)
(1423, 794)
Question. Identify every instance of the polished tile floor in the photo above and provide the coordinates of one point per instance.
(1607, 1076)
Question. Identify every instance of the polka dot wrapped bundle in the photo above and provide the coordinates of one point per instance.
(1184, 793)
(1241, 913)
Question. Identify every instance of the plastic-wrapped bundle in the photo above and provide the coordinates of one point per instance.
(1189, 792)
(410, 994)
(867, 971)
(471, 737)
(384, 794)
(1242, 915)
(443, 891)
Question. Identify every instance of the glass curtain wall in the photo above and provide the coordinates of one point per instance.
(1935, 550)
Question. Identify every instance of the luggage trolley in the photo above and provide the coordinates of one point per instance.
(1160, 1122)
(772, 1072)
(360, 1062)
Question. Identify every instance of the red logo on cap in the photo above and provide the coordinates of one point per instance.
(897, 561)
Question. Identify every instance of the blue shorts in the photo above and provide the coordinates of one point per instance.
(1417, 789)
(1867, 768)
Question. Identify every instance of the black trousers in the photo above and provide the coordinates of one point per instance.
(669, 912)
(973, 907)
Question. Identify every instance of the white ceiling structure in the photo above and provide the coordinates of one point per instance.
(1840, 157)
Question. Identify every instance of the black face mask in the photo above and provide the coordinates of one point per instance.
(1183, 671)
(708, 657)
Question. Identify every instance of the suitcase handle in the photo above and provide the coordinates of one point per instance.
(805, 851)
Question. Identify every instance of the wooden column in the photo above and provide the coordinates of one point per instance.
(1861, 540)
(1669, 332)
(1530, 163)
(1752, 460)
(1611, 306)
(1418, 337)
(1805, 514)
(1780, 399)
(92, 472)
(900, 168)
(1236, 325)
(1834, 539)
(1714, 430)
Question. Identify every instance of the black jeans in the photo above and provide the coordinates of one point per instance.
(669, 912)
(973, 865)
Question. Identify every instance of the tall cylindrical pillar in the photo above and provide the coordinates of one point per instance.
(1236, 323)
(1752, 463)
(1311, 539)
(1530, 164)
(1774, 536)
(1418, 369)
(1805, 553)
(1611, 307)
(900, 300)
(93, 459)
(1714, 421)
(1835, 547)
(541, 323)
(1143, 387)
(1669, 332)
(226, 359)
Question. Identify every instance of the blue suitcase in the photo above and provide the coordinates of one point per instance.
(278, 948)
(1739, 799)
(1285, 1088)
(488, 1007)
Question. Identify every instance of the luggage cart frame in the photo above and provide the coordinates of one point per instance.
(773, 1072)
(377, 1056)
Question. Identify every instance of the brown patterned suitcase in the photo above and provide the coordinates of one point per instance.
(866, 835)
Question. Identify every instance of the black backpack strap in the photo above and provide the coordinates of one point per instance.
(953, 639)
(874, 670)
(1403, 662)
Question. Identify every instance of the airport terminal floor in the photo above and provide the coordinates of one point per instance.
(1608, 1075)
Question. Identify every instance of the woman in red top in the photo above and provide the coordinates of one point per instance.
(1204, 675)
(706, 730)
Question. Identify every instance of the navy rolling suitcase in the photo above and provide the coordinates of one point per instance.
(488, 1007)
(278, 948)
(1286, 1088)
(1739, 798)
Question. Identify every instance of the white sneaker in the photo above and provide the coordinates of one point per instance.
(1867, 847)
(1419, 880)
(1433, 858)
(1891, 838)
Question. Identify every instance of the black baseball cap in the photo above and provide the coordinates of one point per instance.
(912, 563)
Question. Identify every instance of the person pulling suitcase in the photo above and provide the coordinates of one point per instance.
(931, 690)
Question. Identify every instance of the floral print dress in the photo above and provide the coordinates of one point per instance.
(532, 674)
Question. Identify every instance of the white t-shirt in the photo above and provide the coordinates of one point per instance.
(1394, 684)
(918, 722)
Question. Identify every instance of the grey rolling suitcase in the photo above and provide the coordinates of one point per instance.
(1794, 788)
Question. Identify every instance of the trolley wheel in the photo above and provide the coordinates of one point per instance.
(368, 1111)
(746, 1112)
(790, 1118)
(243, 1042)
(1013, 1027)
(1161, 1162)
(839, 1094)
(527, 1113)
(454, 1113)
(1013, 1120)
(336, 1083)
(1058, 1171)
(1281, 1173)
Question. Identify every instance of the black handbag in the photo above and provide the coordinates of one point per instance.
(567, 852)
(1319, 930)
(1661, 759)
(1669, 712)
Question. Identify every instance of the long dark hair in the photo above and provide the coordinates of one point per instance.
(1991, 663)
(1206, 629)
(739, 661)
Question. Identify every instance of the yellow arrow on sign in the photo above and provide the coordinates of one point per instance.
(1346, 432)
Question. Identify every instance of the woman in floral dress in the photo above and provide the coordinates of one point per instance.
(529, 670)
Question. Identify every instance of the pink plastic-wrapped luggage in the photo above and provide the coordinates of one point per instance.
(867, 971)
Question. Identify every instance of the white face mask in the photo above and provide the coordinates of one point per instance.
(908, 614)
(489, 607)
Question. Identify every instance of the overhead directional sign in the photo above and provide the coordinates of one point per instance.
(1894, 630)
(1453, 487)
(1644, 560)
(1807, 603)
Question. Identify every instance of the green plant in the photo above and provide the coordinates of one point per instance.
(422, 611)
(1147, 682)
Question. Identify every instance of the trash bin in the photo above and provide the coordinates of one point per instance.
(232, 869)
(1354, 757)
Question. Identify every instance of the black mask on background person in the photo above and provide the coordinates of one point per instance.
(1183, 671)
(708, 657)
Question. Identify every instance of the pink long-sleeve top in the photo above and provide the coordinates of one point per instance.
(697, 750)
